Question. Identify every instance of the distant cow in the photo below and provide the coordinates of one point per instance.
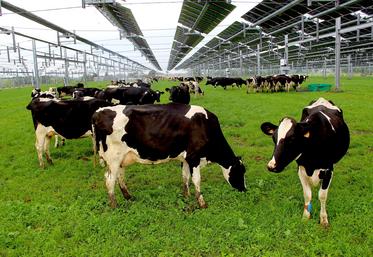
(317, 142)
(69, 118)
(68, 90)
(131, 95)
(179, 94)
(152, 134)
(88, 91)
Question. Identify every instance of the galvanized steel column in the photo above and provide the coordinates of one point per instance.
(337, 53)
(258, 59)
(66, 78)
(36, 71)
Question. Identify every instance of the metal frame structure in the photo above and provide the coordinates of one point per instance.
(97, 58)
(197, 18)
(300, 32)
(123, 18)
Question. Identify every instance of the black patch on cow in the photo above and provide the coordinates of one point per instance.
(69, 118)
(326, 176)
(103, 126)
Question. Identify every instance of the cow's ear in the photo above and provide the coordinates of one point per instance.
(161, 92)
(268, 128)
(167, 89)
(304, 129)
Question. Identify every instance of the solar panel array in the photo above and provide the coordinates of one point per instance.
(310, 30)
(196, 18)
(123, 18)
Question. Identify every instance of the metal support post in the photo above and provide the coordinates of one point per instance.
(324, 70)
(7, 52)
(337, 53)
(66, 78)
(286, 57)
(36, 69)
(258, 59)
(241, 62)
(349, 66)
(85, 67)
(14, 40)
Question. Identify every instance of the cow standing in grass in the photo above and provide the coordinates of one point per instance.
(152, 134)
(68, 118)
(317, 142)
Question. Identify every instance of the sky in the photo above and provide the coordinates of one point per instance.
(156, 18)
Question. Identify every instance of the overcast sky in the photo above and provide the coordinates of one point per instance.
(157, 20)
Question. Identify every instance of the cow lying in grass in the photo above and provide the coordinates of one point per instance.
(317, 142)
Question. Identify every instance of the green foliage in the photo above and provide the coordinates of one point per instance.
(63, 210)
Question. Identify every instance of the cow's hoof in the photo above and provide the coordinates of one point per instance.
(203, 206)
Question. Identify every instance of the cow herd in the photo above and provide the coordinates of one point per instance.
(127, 127)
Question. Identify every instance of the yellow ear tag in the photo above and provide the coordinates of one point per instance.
(307, 135)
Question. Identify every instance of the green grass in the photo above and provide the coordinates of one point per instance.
(63, 210)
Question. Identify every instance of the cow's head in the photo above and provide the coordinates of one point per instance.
(179, 94)
(157, 95)
(289, 138)
(235, 174)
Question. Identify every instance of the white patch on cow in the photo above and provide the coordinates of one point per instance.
(323, 102)
(195, 109)
(272, 163)
(226, 173)
(42, 99)
(115, 101)
(328, 118)
(87, 98)
(119, 150)
(285, 125)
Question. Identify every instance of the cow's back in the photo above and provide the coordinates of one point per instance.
(329, 136)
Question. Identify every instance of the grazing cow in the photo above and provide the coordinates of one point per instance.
(152, 134)
(224, 82)
(36, 92)
(68, 90)
(89, 91)
(317, 142)
(298, 80)
(179, 94)
(68, 118)
(256, 83)
(130, 95)
(281, 82)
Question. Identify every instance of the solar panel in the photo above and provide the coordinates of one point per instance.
(123, 18)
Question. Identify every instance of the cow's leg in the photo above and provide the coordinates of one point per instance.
(186, 178)
(196, 178)
(307, 192)
(111, 176)
(40, 134)
(56, 144)
(326, 176)
(46, 149)
(122, 185)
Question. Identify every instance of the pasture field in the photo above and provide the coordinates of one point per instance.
(63, 210)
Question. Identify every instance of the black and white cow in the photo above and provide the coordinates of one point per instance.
(68, 118)
(88, 91)
(152, 134)
(130, 95)
(179, 94)
(317, 142)
(68, 90)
